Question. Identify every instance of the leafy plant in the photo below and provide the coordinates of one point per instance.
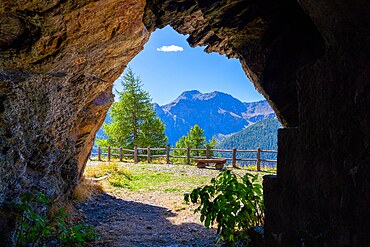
(39, 229)
(234, 203)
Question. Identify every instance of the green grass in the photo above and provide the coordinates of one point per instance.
(151, 180)
(176, 179)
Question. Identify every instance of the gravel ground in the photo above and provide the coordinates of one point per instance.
(132, 218)
(126, 218)
(144, 220)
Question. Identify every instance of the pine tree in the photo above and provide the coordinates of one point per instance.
(133, 119)
(194, 139)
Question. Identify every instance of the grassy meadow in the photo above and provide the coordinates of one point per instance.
(162, 178)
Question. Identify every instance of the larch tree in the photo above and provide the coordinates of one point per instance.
(133, 119)
(194, 139)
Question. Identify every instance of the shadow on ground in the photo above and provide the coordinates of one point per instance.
(128, 223)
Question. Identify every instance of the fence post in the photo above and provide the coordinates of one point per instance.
(168, 154)
(99, 151)
(258, 159)
(148, 153)
(234, 157)
(108, 154)
(120, 154)
(135, 154)
(188, 155)
(207, 152)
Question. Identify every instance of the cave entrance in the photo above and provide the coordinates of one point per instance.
(169, 70)
(308, 60)
(168, 66)
(190, 87)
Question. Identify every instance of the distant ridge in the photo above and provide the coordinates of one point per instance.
(262, 134)
(218, 113)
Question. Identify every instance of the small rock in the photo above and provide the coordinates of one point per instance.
(110, 231)
(141, 218)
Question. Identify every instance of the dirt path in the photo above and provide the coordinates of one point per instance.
(145, 220)
(148, 210)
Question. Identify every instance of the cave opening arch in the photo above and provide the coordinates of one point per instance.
(169, 75)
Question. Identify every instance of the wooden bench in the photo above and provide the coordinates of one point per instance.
(201, 163)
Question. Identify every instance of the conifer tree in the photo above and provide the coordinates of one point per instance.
(133, 118)
(194, 139)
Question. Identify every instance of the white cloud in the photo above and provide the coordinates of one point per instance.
(170, 48)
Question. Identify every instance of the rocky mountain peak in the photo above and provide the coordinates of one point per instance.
(216, 112)
(189, 94)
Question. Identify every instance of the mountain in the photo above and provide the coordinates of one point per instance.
(262, 134)
(219, 114)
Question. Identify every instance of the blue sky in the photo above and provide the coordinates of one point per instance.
(165, 75)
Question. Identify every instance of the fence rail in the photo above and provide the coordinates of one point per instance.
(168, 154)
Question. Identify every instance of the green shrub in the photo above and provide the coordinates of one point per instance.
(125, 172)
(236, 205)
(39, 229)
(119, 181)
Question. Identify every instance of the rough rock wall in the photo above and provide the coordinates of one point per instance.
(309, 59)
(321, 196)
(59, 60)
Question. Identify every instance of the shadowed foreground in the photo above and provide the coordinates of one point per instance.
(122, 222)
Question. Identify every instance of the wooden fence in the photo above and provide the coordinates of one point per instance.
(168, 153)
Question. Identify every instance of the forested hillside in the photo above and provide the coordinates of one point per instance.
(262, 135)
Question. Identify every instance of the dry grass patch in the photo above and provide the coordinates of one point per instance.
(106, 169)
(66, 207)
(86, 189)
(103, 169)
